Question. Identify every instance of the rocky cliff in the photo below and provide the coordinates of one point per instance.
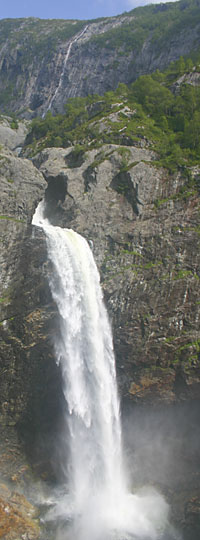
(145, 239)
(143, 225)
(44, 63)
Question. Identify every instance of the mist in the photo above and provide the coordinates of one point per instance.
(162, 449)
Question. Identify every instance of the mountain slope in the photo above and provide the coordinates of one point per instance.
(44, 62)
(159, 111)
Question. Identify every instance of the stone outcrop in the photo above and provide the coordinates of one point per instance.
(192, 78)
(13, 133)
(17, 517)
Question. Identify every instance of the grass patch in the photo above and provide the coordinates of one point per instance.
(10, 218)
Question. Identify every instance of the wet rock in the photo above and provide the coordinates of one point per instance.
(18, 517)
(147, 251)
(15, 521)
(143, 225)
(26, 304)
(192, 518)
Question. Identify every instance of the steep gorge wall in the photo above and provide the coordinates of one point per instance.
(143, 225)
(23, 290)
(145, 238)
(144, 228)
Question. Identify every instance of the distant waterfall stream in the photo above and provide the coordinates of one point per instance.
(72, 41)
(96, 498)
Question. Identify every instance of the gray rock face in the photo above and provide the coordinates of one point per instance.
(192, 78)
(21, 187)
(58, 68)
(143, 237)
(12, 137)
(143, 225)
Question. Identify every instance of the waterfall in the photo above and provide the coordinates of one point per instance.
(72, 41)
(96, 498)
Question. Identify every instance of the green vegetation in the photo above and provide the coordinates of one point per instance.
(5, 299)
(188, 353)
(34, 38)
(189, 189)
(14, 124)
(169, 122)
(159, 23)
(183, 274)
(10, 218)
(125, 158)
(38, 35)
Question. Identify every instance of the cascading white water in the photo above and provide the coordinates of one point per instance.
(98, 499)
(73, 40)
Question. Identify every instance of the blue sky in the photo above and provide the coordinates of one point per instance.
(68, 9)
